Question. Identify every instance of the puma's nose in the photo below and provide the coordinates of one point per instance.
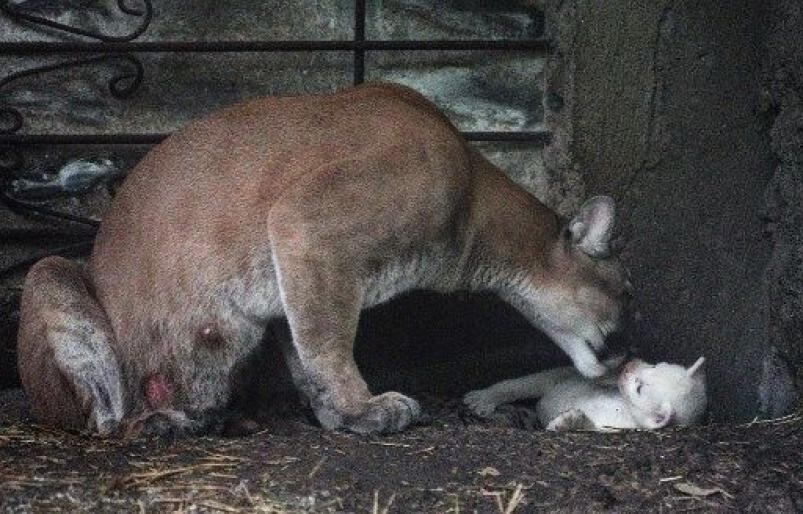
(632, 366)
(619, 342)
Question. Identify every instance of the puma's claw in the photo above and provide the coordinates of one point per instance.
(384, 413)
(480, 402)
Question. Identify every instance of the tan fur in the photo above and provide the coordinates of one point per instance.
(314, 208)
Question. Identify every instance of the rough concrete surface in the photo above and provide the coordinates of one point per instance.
(663, 114)
(782, 95)
(698, 245)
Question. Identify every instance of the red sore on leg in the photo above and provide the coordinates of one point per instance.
(158, 391)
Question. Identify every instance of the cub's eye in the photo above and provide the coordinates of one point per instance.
(638, 387)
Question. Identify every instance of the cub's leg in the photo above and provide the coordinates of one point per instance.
(484, 401)
(68, 368)
(322, 300)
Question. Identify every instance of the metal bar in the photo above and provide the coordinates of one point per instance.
(150, 139)
(79, 249)
(16, 13)
(15, 205)
(134, 78)
(540, 136)
(81, 139)
(47, 47)
(359, 37)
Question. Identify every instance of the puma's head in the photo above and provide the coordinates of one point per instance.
(663, 394)
(583, 297)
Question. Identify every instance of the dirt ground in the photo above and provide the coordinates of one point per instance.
(452, 464)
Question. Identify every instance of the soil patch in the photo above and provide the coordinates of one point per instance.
(453, 464)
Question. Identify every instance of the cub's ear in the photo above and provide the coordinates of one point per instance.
(592, 227)
(696, 366)
(660, 417)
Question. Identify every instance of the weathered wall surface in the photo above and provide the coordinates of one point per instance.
(782, 97)
(664, 116)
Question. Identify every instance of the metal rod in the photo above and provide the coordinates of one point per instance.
(81, 139)
(359, 36)
(17, 13)
(121, 85)
(20, 206)
(79, 249)
(540, 136)
(149, 139)
(47, 47)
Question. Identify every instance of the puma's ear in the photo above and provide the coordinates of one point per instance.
(592, 227)
(661, 417)
(694, 367)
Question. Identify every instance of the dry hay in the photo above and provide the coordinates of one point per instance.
(452, 465)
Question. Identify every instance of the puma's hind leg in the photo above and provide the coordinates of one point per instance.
(68, 368)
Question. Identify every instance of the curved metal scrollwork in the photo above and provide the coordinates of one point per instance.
(17, 13)
(121, 85)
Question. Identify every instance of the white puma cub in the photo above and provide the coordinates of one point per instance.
(641, 395)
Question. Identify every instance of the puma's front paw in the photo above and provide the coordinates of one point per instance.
(384, 413)
(588, 365)
(573, 419)
(481, 402)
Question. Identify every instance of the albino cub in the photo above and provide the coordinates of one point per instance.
(641, 395)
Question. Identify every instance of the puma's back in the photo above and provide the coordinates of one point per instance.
(189, 225)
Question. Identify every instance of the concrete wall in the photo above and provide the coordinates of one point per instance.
(781, 99)
(663, 114)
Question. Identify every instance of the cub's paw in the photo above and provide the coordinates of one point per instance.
(481, 402)
(384, 413)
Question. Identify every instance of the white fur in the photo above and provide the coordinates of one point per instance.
(642, 396)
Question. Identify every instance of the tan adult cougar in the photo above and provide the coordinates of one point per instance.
(310, 208)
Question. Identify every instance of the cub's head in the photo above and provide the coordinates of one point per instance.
(664, 394)
(583, 297)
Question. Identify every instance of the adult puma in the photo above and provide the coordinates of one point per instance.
(310, 208)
